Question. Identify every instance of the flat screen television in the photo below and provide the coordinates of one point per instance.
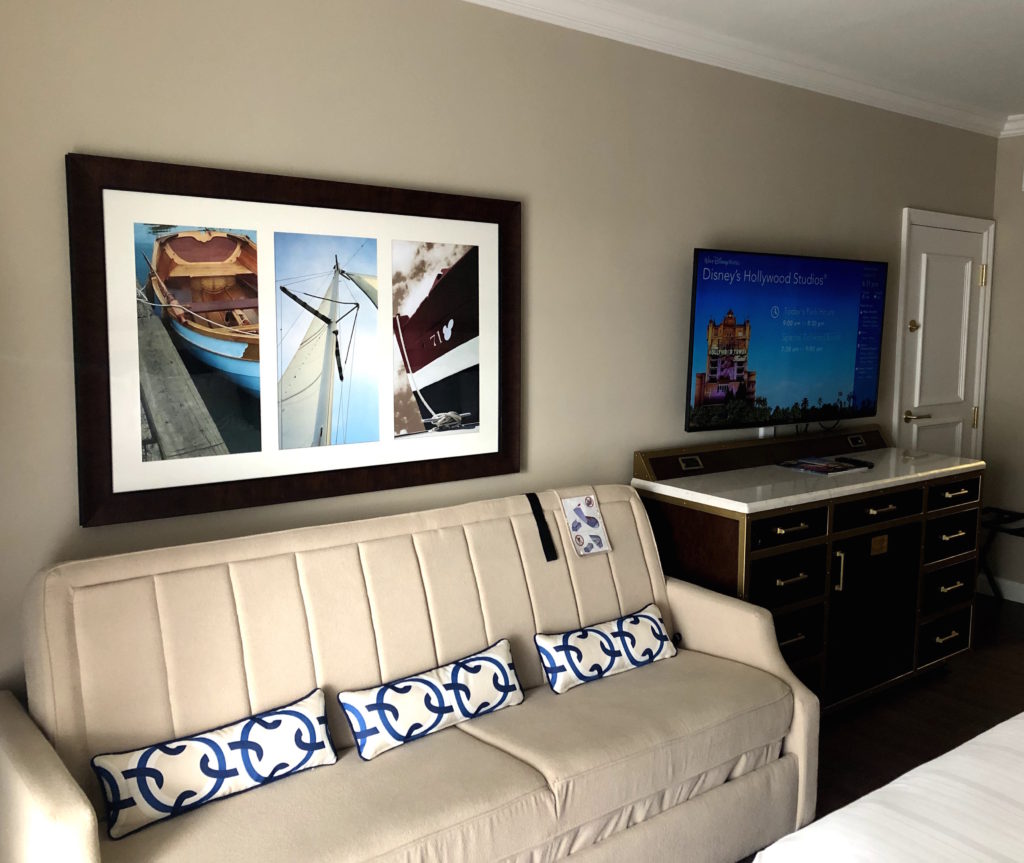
(782, 339)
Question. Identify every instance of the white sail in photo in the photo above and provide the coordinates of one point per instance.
(315, 389)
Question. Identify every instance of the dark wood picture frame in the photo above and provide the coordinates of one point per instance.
(87, 178)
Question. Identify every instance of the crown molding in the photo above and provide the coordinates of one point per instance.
(1013, 127)
(612, 20)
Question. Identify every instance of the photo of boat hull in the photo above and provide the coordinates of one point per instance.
(221, 355)
(460, 389)
(205, 286)
(439, 345)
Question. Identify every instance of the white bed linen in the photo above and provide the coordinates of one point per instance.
(966, 805)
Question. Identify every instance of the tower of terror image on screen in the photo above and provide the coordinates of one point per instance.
(779, 339)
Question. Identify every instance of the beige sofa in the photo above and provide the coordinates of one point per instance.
(708, 755)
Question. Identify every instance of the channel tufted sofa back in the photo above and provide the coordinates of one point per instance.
(133, 649)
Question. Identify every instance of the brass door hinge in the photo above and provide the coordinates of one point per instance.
(983, 281)
(974, 417)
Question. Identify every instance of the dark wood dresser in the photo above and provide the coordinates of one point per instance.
(870, 574)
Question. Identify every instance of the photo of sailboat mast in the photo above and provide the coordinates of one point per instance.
(324, 396)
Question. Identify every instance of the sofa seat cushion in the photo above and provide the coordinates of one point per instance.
(614, 741)
(445, 797)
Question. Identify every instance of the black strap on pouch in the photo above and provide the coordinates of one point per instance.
(546, 542)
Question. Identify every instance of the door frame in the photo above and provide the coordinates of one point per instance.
(948, 221)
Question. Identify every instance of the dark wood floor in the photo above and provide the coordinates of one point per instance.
(869, 743)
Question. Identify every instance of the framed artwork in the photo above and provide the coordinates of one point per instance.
(244, 339)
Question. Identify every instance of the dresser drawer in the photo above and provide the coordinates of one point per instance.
(953, 493)
(950, 535)
(776, 530)
(879, 508)
(801, 633)
(948, 586)
(944, 636)
(790, 577)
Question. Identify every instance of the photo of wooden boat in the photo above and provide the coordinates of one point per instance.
(439, 345)
(204, 282)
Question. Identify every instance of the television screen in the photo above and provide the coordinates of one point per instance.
(782, 339)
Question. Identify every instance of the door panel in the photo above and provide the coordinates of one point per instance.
(944, 437)
(945, 297)
(943, 333)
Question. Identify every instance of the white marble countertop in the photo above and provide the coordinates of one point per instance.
(756, 489)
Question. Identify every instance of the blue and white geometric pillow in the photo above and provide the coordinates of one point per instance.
(383, 717)
(171, 778)
(593, 652)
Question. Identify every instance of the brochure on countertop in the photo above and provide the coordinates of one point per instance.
(823, 465)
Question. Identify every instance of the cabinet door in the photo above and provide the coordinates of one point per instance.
(872, 609)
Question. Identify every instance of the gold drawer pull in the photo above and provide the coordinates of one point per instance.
(796, 528)
(945, 589)
(946, 537)
(953, 634)
(949, 495)
(890, 508)
(783, 582)
(796, 639)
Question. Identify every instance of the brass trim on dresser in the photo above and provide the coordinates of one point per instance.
(743, 559)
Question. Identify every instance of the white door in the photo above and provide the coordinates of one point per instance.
(945, 280)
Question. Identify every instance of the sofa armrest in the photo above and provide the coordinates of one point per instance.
(722, 625)
(44, 814)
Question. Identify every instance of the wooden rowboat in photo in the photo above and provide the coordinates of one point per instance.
(205, 283)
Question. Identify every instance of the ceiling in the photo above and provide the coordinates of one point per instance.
(958, 62)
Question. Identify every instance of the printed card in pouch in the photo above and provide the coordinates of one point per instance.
(586, 526)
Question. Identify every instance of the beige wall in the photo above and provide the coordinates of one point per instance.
(1004, 395)
(624, 160)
